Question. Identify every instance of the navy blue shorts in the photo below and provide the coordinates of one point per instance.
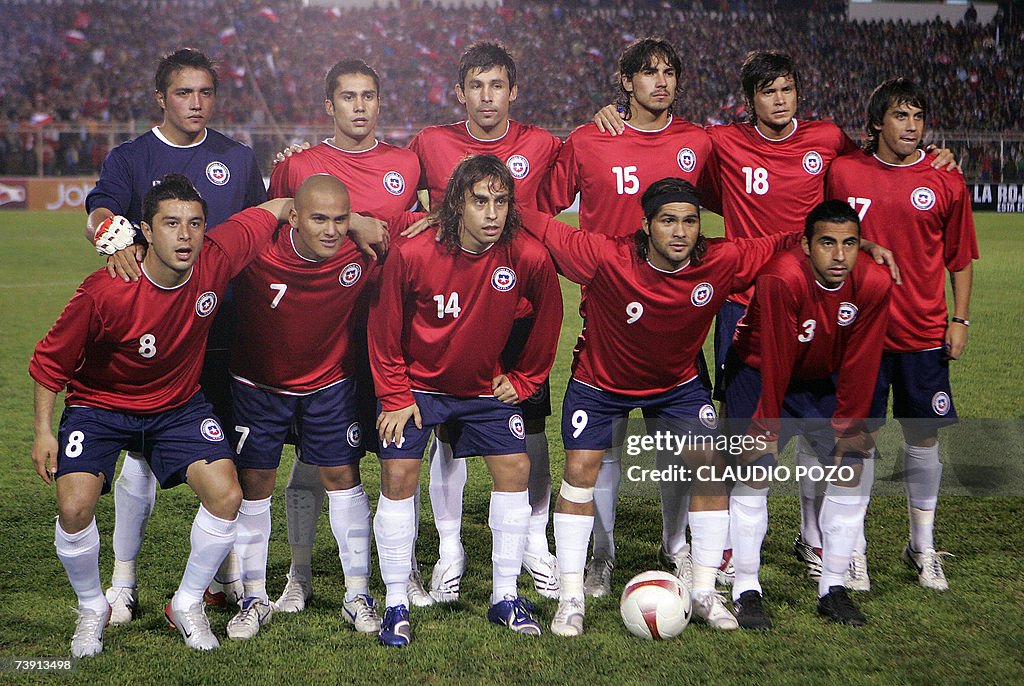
(90, 440)
(476, 426)
(725, 328)
(807, 408)
(538, 405)
(592, 417)
(325, 423)
(920, 388)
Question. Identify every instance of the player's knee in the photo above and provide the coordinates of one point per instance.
(581, 473)
(340, 478)
(75, 514)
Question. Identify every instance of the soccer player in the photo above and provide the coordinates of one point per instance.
(464, 290)
(487, 87)
(293, 364)
(381, 181)
(651, 298)
(130, 355)
(226, 174)
(608, 173)
(812, 334)
(926, 216)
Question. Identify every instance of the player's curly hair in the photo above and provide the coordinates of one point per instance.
(468, 173)
(642, 53)
(659, 193)
(185, 58)
(759, 69)
(170, 187)
(888, 93)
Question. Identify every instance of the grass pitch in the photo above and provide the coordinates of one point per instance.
(971, 633)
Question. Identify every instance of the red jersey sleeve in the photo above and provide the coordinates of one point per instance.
(390, 371)
(417, 146)
(562, 184)
(756, 252)
(545, 297)
(281, 186)
(777, 302)
(400, 222)
(576, 253)
(61, 351)
(960, 243)
(242, 237)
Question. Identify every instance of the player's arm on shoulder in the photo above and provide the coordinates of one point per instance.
(576, 253)
(956, 331)
(370, 235)
(279, 207)
(289, 151)
(883, 256)
(944, 159)
(44, 445)
(609, 119)
(113, 236)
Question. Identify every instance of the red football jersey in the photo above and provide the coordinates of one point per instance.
(762, 186)
(611, 172)
(137, 347)
(644, 326)
(296, 317)
(924, 216)
(381, 181)
(442, 318)
(796, 329)
(527, 151)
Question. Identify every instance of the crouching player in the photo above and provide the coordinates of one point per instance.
(651, 299)
(130, 355)
(809, 341)
(444, 314)
(293, 365)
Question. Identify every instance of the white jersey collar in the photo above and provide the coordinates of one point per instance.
(163, 139)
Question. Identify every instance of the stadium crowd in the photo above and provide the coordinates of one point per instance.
(83, 64)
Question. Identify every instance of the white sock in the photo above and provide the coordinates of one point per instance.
(572, 535)
(675, 507)
(708, 530)
(303, 502)
(211, 538)
(415, 529)
(867, 481)
(80, 555)
(447, 482)
(922, 477)
(842, 517)
(748, 522)
(509, 519)
(606, 496)
(811, 493)
(252, 544)
(350, 522)
(393, 527)
(134, 495)
(540, 493)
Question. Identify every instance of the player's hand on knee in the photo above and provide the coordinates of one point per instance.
(609, 120)
(125, 263)
(370, 235)
(504, 390)
(44, 456)
(289, 151)
(391, 424)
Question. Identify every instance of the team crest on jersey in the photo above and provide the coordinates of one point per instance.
(394, 183)
(354, 434)
(847, 313)
(708, 416)
(813, 163)
(518, 165)
(211, 431)
(350, 273)
(923, 198)
(687, 160)
(218, 173)
(702, 294)
(206, 303)
(503, 279)
(516, 426)
(940, 403)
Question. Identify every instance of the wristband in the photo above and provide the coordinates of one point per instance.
(960, 320)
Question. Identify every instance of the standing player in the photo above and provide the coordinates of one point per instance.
(465, 291)
(130, 355)
(487, 87)
(926, 217)
(651, 298)
(381, 182)
(608, 173)
(812, 334)
(226, 175)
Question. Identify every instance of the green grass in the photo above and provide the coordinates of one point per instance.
(971, 633)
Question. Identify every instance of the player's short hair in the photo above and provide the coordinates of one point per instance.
(662, 192)
(760, 68)
(467, 174)
(886, 94)
(185, 58)
(484, 55)
(640, 54)
(170, 187)
(352, 66)
(830, 212)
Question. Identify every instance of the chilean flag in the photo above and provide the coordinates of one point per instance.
(74, 36)
(270, 14)
(227, 35)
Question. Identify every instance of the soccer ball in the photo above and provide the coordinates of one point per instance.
(655, 605)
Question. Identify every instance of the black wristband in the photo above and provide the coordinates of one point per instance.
(960, 320)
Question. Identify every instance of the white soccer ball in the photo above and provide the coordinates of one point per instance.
(655, 605)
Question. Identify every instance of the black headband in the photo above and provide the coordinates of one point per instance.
(652, 205)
